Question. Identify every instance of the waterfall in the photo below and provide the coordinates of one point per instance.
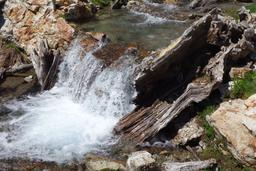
(74, 117)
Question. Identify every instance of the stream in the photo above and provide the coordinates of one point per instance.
(78, 114)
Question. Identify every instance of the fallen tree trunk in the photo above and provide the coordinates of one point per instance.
(188, 166)
(19, 68)
(145, 123)
(174, 59)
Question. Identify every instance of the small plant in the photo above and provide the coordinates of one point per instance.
(209, 131)
(11, 45)
(252, 8)
(233, 12)
(101, 2)
(244, 87)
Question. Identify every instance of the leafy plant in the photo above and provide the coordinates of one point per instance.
(244, 87)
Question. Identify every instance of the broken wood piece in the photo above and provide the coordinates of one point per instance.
(188, 166)
(19, 68)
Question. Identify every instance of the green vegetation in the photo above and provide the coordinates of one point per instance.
(217, 149)
(251, 7)
(244, 87)
(216, 146)
(101, 2)
(11, 45)
(209, 131)
(232, 12)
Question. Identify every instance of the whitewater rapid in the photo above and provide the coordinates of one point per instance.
(74, 117)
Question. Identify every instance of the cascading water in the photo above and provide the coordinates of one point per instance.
(74, 117)
(155, 8)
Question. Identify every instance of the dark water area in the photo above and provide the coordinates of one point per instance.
(1, 20)
(123, 26)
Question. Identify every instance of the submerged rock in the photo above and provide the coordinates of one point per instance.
(235, 120)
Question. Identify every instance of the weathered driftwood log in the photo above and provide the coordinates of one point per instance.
(19, 68)
(45, 63)
(52, 73)
(179, 53)
(143, 124)
(188, 166)
(117, 4)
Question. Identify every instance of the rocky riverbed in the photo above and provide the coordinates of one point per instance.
(155, 85)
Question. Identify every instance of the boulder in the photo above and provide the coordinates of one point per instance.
(141, 161)
(190, 131)
(99, 163)
(33, 21)
(239, 72)
(79, 11)
(235, 120)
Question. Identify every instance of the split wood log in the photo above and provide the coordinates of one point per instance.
(52, 73)
(143, 124)
(178, 54)
(2, 72)
(188, 166)
(45, 62)
(19, 68)
(41, 58)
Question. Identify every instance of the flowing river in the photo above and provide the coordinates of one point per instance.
(78, 114)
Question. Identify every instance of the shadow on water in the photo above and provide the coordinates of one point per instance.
(1, 15)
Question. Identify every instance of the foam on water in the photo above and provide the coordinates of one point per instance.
(74, 117)
(150, 19)
(163, 6)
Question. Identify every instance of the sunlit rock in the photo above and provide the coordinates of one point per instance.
(189, 132)
(140, 160)
(98, 163)
(236, 120)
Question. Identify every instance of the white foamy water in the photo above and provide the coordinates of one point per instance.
(150, 19)
(74, 117)
(164, 6)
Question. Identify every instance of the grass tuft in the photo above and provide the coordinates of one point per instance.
(244, 87)
(251, 7)
(101, 2)
(209, 131)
